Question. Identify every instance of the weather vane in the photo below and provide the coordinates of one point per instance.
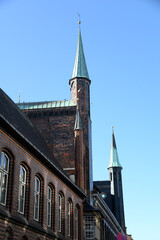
(79, 18)
(19, 97)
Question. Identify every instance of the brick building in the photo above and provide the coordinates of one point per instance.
(35, 193)
(46, 184)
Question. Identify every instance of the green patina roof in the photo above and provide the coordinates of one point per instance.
(50, 104)
(80, 67)
(114, 160)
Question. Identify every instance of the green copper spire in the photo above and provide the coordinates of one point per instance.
(80, 67)
(114, 160)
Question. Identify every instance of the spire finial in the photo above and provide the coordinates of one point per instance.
(112, 129)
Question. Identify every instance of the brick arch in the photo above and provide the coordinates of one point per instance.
(8, 235)
(11, 158)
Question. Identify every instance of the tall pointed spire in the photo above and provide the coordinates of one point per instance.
(114, 160)
(80, 67)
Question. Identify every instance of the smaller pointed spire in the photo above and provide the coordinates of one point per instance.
(78, 121)
(114, 160)
(80, 67)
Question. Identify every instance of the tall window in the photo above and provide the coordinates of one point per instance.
(22, 189)
(49, 206)
(69, 218)
(4, 169)
(36, 198)
(76, 222)
(89, 227)
(59, 211)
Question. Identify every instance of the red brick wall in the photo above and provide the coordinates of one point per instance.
(57, 128)
(19, 155)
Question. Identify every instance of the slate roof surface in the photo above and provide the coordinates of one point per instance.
(19, 121)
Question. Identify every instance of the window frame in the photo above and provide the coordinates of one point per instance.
(22, 184)
(89, 221)
(37, 194)
(49, 203)
(4, 172)
(69, 207)
(60, 212)
(76, 222)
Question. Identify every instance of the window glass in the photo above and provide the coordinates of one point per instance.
(49, 205)
(59, 212)
(4, 168)
(76, 223)
(36, 199)
(89, 227)
(22, 189)
(68, 218)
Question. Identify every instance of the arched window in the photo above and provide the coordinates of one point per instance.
(4, 170)
(22, 189)
(69, 218)
(49, 206)
(36, 198)
(59, 212)
(77, 223)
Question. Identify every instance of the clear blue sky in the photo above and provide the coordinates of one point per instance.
(121, 40)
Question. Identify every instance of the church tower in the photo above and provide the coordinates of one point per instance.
(115, 169)
(80, 94)
(79, 150)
